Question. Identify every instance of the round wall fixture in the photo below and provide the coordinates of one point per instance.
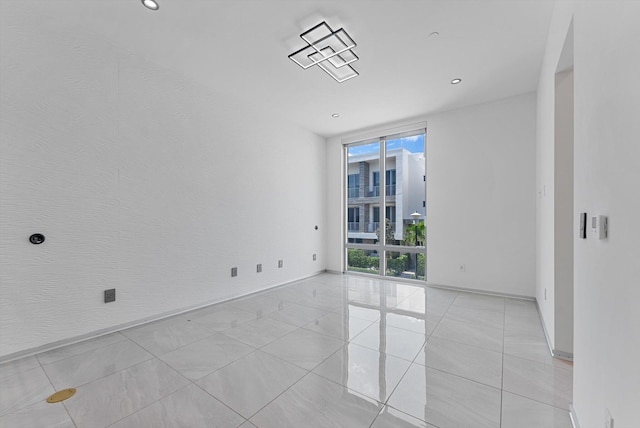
(36, 238)
(151, 4)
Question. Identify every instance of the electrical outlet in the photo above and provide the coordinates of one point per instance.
(462, 268)
(234, 271)
(110, 295)
(259, 268)
(314, 258)
(608, 419)
(280, 263)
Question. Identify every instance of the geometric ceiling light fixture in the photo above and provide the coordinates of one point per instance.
(330, 50)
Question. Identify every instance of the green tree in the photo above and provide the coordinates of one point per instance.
(388, 232)
(410, 232)
(397, 265)
(421, 266)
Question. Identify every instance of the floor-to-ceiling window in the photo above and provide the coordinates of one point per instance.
(389, 235)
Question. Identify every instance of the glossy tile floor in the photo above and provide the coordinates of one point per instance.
(328, 351)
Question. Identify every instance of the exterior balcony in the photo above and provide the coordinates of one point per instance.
(373, 194)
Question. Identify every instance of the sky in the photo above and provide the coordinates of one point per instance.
(414, 144)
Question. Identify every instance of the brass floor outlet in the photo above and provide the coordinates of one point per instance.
(61, 395)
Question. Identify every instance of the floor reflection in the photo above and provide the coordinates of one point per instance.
(328, 351)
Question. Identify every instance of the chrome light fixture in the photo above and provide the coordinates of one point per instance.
(330, 50)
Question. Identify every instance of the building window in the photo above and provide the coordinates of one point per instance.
(375, 191)
(353, 219)
(391, 182)
(353, 185)
(390, 214)
(390, 186)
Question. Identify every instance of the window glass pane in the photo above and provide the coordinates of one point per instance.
(405, 265)
(387, 208)
(362, 161)
(405, 190)
(363, 261)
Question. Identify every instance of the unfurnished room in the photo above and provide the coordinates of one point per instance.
(319, 214)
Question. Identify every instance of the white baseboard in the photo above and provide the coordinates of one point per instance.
(94, 334)
(476, 291)
(573, 416)
(561, 355)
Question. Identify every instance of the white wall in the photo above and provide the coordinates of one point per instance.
(480, 197)
(141, 181)
(334, 215)
(416, 166)
(554, 206)
(606, 181)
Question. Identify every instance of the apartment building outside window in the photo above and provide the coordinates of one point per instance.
(353, 185)
(391, 182)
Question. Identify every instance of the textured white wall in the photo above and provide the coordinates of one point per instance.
(481, 196)
(606, 181)
(141, 181)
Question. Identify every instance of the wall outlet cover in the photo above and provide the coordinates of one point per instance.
(110, 295)
(234, 271)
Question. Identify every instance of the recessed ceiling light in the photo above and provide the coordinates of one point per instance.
(434, 34)
(456, 81)
(335, 115)
(151, 4)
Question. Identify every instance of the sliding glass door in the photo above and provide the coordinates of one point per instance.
(386, 206)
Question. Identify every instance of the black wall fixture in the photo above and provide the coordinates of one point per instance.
(36, 238)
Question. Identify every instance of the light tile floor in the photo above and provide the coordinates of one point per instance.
(328, 351)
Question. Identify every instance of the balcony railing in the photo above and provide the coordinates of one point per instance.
(390, 190)
(371, 227)
(354, 192)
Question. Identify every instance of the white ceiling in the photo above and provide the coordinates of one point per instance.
(240, 48)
